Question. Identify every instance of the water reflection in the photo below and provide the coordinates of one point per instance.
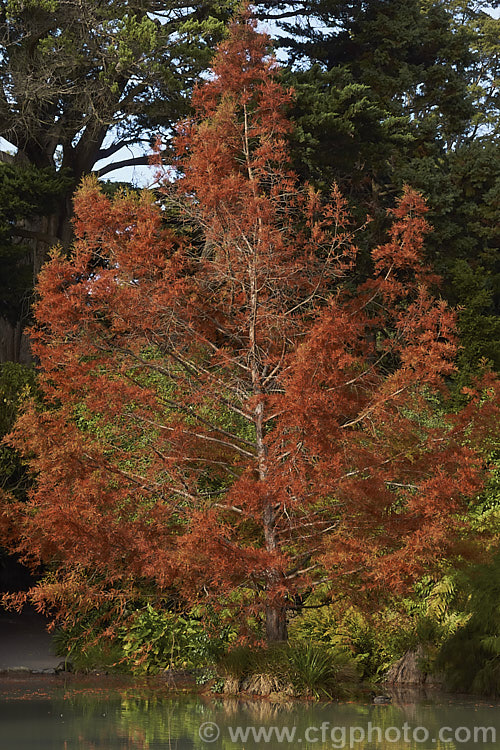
(47, 714)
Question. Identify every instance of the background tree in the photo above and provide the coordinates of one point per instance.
(26, 195)
(83, 83)
(233, 418)
(394, 93)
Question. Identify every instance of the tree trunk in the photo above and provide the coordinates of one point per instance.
(276, 627)
(47, 231)
(38, 235)
(14, 344)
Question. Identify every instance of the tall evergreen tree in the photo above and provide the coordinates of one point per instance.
(390, 92)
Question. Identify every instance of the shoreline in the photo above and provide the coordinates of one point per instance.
(182, 685)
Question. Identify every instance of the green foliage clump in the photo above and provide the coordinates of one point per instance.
(456, 619)
(151, 641)
(157, 640)
(83, 646)
(319, 671)
(471, 656)
(374, 643)
(310, 669)
(485, 511)
(376, 640)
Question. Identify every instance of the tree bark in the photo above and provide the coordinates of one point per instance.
(38, 235)
(14, 344)
(276, 625)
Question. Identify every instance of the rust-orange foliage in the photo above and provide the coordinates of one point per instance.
(227, 415)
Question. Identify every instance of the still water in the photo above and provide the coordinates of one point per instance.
(52, 713)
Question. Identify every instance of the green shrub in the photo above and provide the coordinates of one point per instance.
(83, 647)
(429, 616)
(471, 655)
(373, 642)
(156, 640)
(150, 641)
(321, 671)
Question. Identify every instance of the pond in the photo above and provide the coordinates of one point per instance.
(48, 713)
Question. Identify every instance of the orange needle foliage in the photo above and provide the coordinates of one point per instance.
(228, 415)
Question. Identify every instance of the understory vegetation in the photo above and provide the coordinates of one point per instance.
(332, 650)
